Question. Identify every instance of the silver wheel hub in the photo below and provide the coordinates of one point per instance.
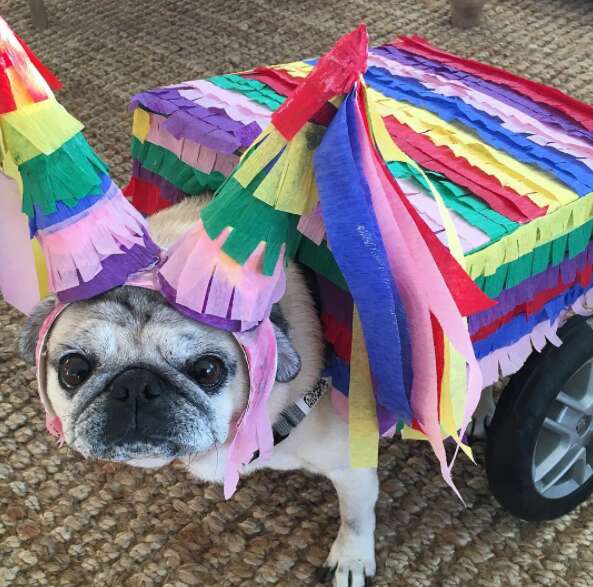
(563, 455)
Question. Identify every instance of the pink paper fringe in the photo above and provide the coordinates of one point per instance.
(508, 360)
(197, 156)
(206, 280)
(235, 105)
(79, 247)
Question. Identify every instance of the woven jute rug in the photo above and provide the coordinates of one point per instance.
(65, 521)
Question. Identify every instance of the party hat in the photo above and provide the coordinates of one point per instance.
(91, 237)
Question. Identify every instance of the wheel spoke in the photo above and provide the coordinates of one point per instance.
(582, 405)
(573, 461)
(559, 428)
(552, 457)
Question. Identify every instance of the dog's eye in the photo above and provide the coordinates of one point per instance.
(73, 371)
(208, 371)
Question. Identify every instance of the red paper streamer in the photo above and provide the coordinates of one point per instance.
(53, 82)
(334, 74)
(502, 199)
(146, 197)
(284, 84)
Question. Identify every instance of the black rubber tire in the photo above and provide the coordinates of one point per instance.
(517, 420)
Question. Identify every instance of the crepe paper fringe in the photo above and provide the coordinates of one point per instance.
(204, 279)
(194, 154)
(534, 305)
(289, 185)
(528, 289)
(512, 118)
(38, 128)
(100, 249)
(67, 175)
(520, 325)
(571, 172)
(165, 164)
(509, 359)
(565, 224)
(253, 223)
(64, 213)
(470, 208)
(578, 111)
(544, 114)
(432, 133)
(235, 105)
(23, 79)
(250, 88)
(469, 237)
(500, 198)
(185, 118)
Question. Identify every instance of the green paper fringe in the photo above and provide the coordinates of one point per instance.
(321, 260)
(253, 222)
(67, 175)
(252, 88)
(547, 255)
(166, 164)
(456, 198)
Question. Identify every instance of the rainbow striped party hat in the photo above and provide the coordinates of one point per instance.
(88, 237)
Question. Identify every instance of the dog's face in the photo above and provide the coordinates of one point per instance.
(131, 378)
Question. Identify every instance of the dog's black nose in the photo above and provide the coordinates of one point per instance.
(136, 384)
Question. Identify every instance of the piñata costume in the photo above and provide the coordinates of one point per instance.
(418, 186)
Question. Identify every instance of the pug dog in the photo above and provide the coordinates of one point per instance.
(134, 380)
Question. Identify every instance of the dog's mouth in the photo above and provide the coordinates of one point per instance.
(135, 446)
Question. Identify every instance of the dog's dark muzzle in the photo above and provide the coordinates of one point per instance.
(136, 406)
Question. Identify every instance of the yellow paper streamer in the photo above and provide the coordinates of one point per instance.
(362, 411)
(41, 269)
(140, 124)
(46, 126)
(295, 69)
(539, 231)
(290, 184)
(269, 145)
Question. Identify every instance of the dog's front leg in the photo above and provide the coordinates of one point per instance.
(352, 557)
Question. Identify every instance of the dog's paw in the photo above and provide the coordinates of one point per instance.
(351, 561)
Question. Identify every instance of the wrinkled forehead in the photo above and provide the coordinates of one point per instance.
(134, 324)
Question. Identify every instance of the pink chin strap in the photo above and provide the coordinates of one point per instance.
(252, 431)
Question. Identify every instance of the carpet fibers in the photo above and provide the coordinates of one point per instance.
(64, 521)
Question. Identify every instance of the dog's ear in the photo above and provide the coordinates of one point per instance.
(30, 331)
(289, 361)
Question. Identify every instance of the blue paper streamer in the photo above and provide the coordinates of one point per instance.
(355, 239)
